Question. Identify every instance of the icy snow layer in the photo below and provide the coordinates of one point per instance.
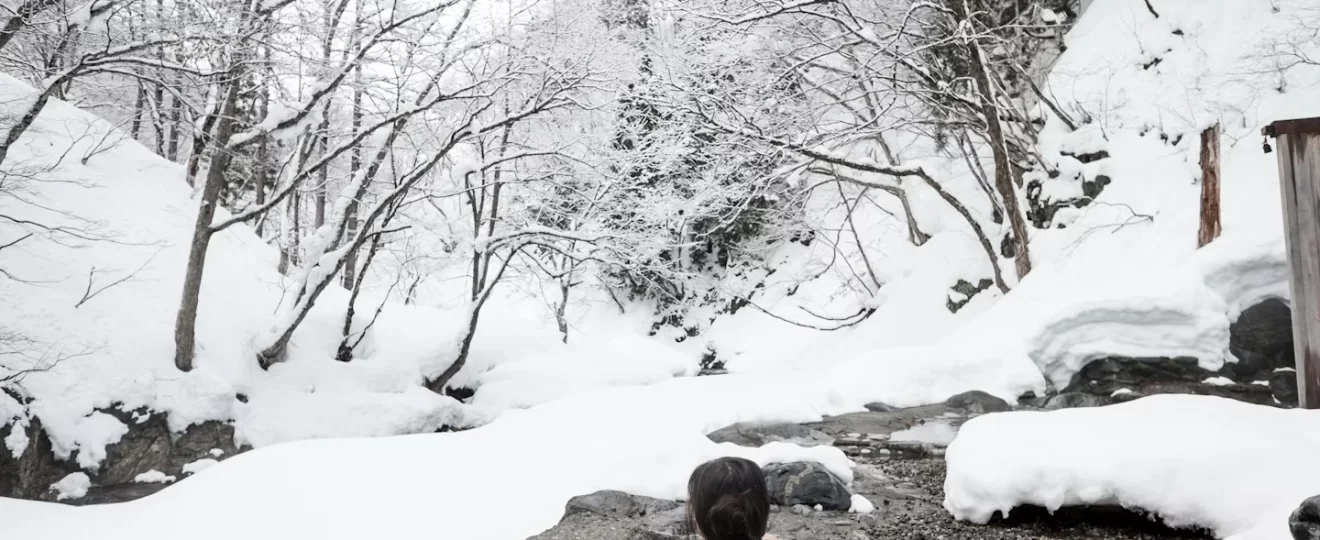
(503, 481)
(1235, 468)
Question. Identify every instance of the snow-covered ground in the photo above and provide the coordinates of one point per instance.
(607, 411)
(1234, 468)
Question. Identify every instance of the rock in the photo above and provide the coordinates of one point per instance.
(1305, 520)
(1283, 385)
(592, 526)
(200, 441)
(1041, 208)
(672, 522)
(876, 406)
(618, 503)
(1073, 400)
(755, 435)
(145, 447)
(116, 493)
(808, 484)
(978, 402)
(963, 291)
(877, 422)
(1261, 338)
(615, 515)
(148, 445)
(1109, 374)
(30, 474)
(1124, 397)
(1147, 376)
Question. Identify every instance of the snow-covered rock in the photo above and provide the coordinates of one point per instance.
(1176, 456)
(73, 486)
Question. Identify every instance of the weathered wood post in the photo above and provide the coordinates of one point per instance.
(1299, 181)
(1210, 225)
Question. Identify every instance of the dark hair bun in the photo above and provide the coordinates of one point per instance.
(729, 518)
(728, 500)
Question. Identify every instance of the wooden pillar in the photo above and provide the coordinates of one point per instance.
(1299, 181)
(1210, 226)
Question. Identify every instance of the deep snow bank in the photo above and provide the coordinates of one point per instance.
(1235, 468)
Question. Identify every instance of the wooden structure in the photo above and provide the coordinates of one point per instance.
(1299, 178)
(1210, 226)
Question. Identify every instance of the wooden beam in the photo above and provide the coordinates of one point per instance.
(1210, 226)
(1299, 182)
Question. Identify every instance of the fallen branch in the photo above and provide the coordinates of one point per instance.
(89, 294)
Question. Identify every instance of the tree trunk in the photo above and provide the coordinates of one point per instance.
(565, 282)
(23, 124)
(324, 177)
(199, 144)
(1210, 227)
(438, 384)
(158, 95)
(354, 163)
(176, 116)
(915, 234)
(345, 353)
(294, 246)
(262, 177)
(135, 128)
(185, 325)
(1003, 168)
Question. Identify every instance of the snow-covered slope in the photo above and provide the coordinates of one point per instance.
(1121, 276)
(1180, 457)
(125, 217)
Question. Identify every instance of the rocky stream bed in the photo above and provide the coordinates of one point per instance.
(899, 468)
(899, 465)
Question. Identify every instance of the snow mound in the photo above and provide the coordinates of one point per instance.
(154, 477)
(73, 486)
(199, 465)
(1195, 461)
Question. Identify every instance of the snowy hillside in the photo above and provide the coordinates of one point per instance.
(108, 344)
(601, 391)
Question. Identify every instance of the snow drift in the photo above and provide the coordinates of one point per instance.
(1234, 468)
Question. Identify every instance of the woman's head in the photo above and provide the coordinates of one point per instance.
(728, 500)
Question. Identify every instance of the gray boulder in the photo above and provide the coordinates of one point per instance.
(615, 515)
(619, 504)
(1073, 400)
(755, 435)
(1305, 520)
(1261, 338)
(807, 484)
(978, 402)
(879, 407)
(589, 526)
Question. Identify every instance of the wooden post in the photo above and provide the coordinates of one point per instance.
(1299, 180)
(1210, 227)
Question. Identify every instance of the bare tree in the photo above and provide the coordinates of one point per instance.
(250, 22)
